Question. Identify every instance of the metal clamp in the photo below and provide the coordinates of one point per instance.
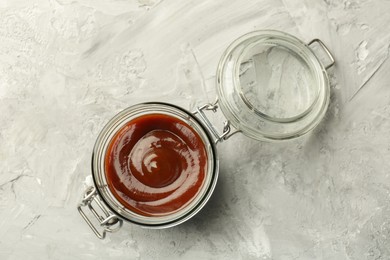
(109, 221)
(226, 132)
(327, 51)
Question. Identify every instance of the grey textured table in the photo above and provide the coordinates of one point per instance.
(66, 67)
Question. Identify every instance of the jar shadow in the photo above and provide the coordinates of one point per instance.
(208, 216)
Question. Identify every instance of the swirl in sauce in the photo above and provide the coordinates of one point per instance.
(155, 165)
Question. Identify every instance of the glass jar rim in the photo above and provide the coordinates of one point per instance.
(98, 169)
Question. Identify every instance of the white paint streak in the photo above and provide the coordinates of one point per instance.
(362, 51)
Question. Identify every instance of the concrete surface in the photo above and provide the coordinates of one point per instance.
(68, 66)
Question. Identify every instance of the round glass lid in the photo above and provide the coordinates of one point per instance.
(272, 86)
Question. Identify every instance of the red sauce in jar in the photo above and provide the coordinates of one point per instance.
(156, 165)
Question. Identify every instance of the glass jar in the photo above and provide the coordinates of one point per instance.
(271, 86)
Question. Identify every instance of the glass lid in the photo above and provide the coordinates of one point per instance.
(272, 86)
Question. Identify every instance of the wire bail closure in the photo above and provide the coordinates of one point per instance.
(109, 221)
(226, 131)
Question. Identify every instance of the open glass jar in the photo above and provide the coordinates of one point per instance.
(156, 164)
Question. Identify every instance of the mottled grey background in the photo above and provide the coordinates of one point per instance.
(66, 67)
